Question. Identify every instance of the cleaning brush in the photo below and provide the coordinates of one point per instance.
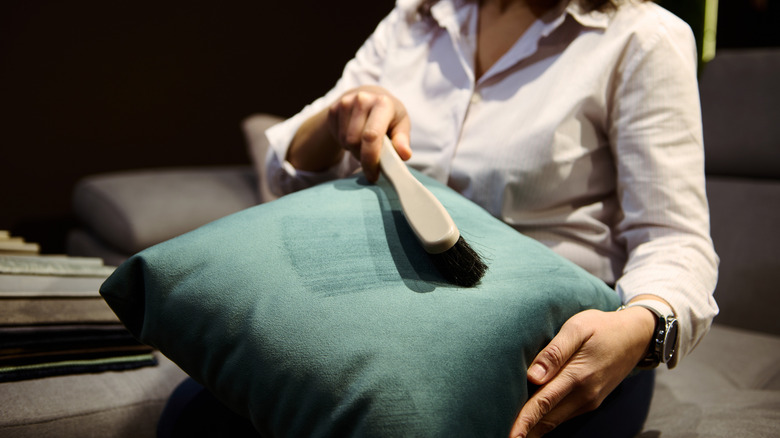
(457, 262)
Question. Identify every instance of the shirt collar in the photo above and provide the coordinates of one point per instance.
(449, 14)
(589, 19)
(452, 15)
(593, 19)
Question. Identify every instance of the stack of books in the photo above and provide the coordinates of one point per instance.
(53, 320)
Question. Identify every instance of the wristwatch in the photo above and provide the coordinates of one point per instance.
(664, 343)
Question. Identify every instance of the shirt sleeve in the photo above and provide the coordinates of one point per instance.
(656, 137)
(364, 69)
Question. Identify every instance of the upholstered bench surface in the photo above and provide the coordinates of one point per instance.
(729, 386)
(109, 404)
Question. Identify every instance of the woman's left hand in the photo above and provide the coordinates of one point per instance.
(590, 356)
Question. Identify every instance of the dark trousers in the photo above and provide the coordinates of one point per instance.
(193, 412)
(621, 415)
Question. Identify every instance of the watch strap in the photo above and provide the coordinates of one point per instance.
(665, 320)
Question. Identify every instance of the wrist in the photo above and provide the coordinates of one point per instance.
(641, 323)
(646, 320)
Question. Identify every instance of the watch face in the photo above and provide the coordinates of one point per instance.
(670, 340)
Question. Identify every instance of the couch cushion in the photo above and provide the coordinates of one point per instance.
(132, 210)
(320, 314)
(745, 214)
(740, 111)
(81, 242)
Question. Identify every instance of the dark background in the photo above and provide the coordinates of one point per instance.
(90, 86)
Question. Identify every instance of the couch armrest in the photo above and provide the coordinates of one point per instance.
(133, 210)
(254, 128)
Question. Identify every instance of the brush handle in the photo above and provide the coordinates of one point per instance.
(430, 222)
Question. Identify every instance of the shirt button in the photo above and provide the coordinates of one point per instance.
(476, 98)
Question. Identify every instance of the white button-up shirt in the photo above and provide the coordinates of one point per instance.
(585, 135)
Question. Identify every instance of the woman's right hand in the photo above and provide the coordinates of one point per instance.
(356, 122)
(361, 117)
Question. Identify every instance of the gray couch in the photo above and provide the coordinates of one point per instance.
(728, 387)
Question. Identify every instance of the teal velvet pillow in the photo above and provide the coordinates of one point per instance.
(319, 314)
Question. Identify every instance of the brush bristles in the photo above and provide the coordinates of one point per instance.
(460, 265)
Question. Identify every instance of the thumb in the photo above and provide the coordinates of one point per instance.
(554, 356)
(399, 135)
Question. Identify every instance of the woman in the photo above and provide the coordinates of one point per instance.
(577, 123)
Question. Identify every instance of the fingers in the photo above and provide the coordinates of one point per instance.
(554, 370)
(550, 406)
(375, 128)
(360, 119)
(593, 352)
(555, 355)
